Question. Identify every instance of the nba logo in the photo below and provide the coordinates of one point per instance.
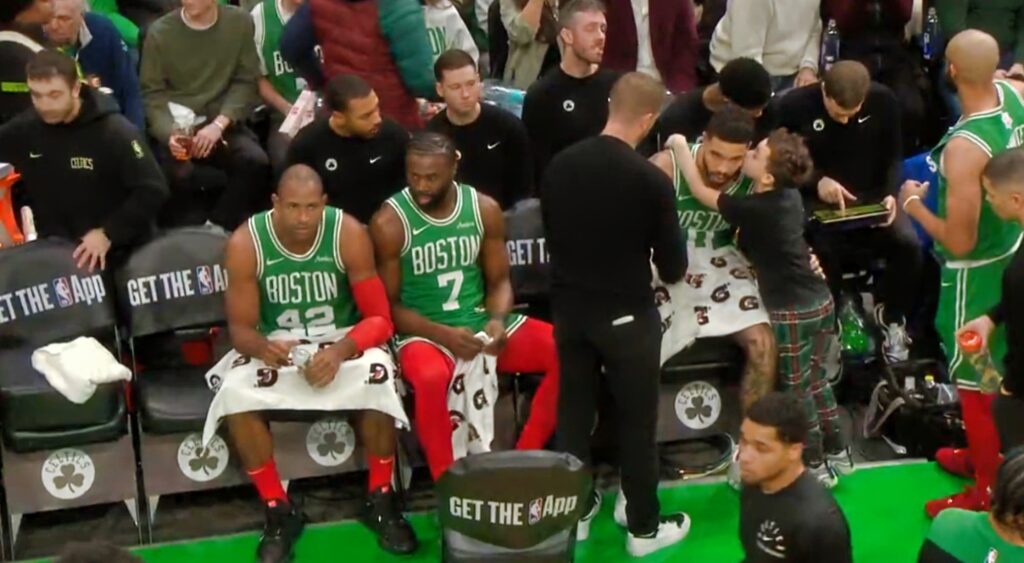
(62, 289)
(536, 509)
(205, 280)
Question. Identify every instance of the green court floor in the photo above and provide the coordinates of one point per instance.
(884, 506)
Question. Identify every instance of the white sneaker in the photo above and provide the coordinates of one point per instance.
(583, 527)
(824, 474)
(620, 510)
(896, 343)
(733, 475)
(672, 529)
(841, 462)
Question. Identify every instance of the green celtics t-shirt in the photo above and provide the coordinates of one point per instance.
(968, 536)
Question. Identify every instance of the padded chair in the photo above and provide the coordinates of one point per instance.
(57, 454)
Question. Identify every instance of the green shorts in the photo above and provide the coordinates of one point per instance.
(966, 294)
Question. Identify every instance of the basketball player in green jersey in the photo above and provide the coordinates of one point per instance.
(308, 268)
(721, 289)
(441, 252)
(974, 244)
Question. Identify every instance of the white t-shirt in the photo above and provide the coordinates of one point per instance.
(782, 35)
(446, 30)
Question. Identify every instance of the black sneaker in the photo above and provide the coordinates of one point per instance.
(283, 528)
(384, 517)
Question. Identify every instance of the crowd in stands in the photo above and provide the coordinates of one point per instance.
(128, 116)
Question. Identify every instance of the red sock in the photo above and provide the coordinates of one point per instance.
(982, 438)
(268, 483)
(381, 470)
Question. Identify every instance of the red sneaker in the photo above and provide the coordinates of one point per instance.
(968, 499)
(956, 461)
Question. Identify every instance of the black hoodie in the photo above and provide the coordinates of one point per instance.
(95, 171)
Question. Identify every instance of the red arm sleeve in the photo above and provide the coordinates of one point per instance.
(372, 301)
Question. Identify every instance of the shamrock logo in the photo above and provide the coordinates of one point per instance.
(69, 478)
(203, 461)
(698, 409)
(330, 446)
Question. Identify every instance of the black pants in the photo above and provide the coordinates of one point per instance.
(1008, 412)
(899, 246)
(629, 351)
(246, 167)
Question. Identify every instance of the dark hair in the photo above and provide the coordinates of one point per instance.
(636, 94)
(790, 162)
(1006, 169)
(745, 83)
(785, 413)
(344, 88)
(569, 10)
(95, 552)
(429, 142)
(452, 59)
(1008, 494)
(732, 125)
(50, 63)
(847, 83)
(298, 174)
(9, 9)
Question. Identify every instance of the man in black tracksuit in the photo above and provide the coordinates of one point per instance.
(88, 174)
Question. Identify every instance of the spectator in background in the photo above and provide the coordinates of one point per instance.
(872, 33)
(656, 37)
(203, 57)
(494, 151)
(446, 30)
(101, 54)
(783, 35)
(852, 128)
(532, 40)
(742, 82)
(279, 85)
(384, 42)
(359, 156)
(21, 36)
(127, 28)
(89, 175)
(570, 103)
(1002, 19)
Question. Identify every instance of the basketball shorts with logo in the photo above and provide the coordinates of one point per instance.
(966, 294)
(717, 297)
(246, 384)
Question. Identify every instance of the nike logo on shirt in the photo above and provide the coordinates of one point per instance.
(420, 230)
(375, 159)
(490, 146)
(863, 119)
(274, 261)
(35, 155)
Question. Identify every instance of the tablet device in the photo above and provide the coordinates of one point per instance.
(853, 217)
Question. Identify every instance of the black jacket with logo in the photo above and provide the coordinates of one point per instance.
(95, 171)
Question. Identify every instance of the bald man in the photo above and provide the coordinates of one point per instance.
(102, 55)
(975, 245)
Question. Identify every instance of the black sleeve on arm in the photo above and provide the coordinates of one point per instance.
(668, 245)
(519, 177)
(738, 210)
(932, 553)
(298, 44)
(301, 149)
(828, 539)
(143, 183)
(537, 130)
(892, 149)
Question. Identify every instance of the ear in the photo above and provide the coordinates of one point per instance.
(794, 452)
(767, 179)
(566, 36)
(274, 199)
(76, 89)
(439, 89)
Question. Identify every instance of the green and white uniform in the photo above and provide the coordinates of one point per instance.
(719, 289)
(306, 294)
(441, 274)
(269, 19)
(960, 535)
(971, 285)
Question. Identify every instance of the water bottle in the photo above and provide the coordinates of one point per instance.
(931, 390)
(930, 35)
(829, 46)
(970, 343)
(28, 224)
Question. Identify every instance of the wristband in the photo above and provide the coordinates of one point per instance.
(910, 199)
(219, 126)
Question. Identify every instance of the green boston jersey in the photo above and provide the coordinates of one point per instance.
(441, 274)
(703, 226)
(993, 131)
(968, 536)
(270, 21)
(306, 293)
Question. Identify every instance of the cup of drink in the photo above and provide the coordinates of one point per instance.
(182, 136)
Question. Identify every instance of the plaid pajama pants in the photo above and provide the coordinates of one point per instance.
(803, 339)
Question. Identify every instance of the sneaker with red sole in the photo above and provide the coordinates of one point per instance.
(968, 499)
(956, 461)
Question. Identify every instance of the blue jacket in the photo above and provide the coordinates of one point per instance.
(102, 52)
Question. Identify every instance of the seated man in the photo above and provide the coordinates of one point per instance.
(441, 251)
(785, 514)
(305, 270)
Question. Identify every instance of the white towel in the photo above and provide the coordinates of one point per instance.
(75, 368)
(471, 397)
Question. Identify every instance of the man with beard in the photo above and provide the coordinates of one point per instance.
(570, 103)
(359, 155)
(974, 245)
(89, 175)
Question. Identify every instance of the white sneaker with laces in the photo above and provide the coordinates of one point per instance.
(672, 529)
(896, 342)
(824, 474)
(620, 510)
(841, 462)
(583, 527)
(733, 475)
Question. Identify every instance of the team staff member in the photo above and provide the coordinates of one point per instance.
(785, 514)
(605, 211)
(852, 128)
(360, 156)
(493, 147)
(974, 244)
(571, 102)
(88, 173)
(1003, 180)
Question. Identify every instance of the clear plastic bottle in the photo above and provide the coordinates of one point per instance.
(970, 342)
(830, 46)
(930, 35)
